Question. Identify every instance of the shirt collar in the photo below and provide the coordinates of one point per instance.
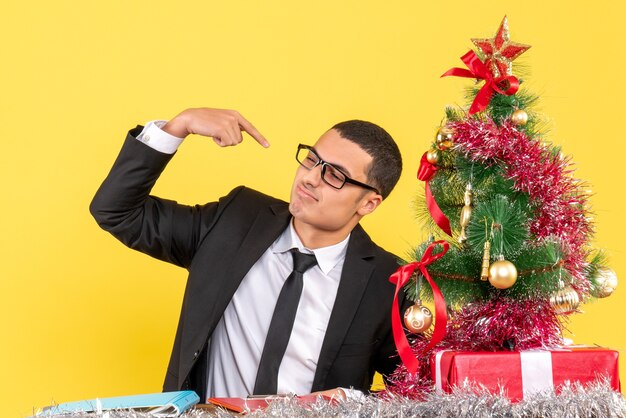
(327, 257)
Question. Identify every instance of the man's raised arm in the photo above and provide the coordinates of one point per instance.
(162, 228)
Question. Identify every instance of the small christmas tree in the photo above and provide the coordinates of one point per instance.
(509, 223)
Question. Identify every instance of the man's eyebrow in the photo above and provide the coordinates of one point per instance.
(341, 168)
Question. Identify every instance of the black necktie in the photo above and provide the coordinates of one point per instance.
(281, 325)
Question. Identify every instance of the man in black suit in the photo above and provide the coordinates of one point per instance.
(239, 252)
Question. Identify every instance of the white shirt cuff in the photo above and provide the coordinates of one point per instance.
(153, 136)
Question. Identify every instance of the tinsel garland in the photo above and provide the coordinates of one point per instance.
(498, 323)
(542, 172)
(575, 400)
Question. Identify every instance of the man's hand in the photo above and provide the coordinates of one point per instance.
(224, 126)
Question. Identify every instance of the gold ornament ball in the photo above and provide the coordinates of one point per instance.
(605, 282)
(432, 156)
(502, 274)
(418, 318)
(444, 138)
(565, 301)
(519, 117)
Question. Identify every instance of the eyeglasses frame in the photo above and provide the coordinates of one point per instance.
(324, 164)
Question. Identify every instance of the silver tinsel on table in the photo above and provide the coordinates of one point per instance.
(574, 401)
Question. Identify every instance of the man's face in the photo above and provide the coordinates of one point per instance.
(318, 205)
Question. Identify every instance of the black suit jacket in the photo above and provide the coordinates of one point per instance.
(218, 243)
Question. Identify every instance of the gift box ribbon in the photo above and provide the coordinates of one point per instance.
(536, 372)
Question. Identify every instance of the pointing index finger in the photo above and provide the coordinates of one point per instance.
(254, 133)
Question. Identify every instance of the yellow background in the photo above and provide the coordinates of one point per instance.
(81, 315)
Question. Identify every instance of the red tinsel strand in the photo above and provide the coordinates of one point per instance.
(494, 324)
(545, 176)
(413, 385)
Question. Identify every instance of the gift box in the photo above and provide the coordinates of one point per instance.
(522, 373)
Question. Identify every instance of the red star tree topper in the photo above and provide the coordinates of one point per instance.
(499, 51)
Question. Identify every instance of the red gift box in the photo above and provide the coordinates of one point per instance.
(521, 373)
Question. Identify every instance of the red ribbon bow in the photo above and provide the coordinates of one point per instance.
(507, 85)
(425, 173)
(400, 278)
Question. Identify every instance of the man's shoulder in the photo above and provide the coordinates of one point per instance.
(244, 195)
(390, 260)
(372, 250)
(245, 200)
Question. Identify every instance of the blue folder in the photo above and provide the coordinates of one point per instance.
(168, 404)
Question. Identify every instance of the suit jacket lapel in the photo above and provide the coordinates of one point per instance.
(356, 273)
(267, 226)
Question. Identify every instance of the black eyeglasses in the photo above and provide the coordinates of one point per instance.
(331, 175)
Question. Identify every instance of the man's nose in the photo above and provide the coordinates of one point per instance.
(314, 175)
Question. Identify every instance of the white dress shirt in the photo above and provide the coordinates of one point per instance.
(237, 342)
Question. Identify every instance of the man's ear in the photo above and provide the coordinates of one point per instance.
(369, 203)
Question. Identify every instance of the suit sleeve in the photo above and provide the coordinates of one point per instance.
(158, 227)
